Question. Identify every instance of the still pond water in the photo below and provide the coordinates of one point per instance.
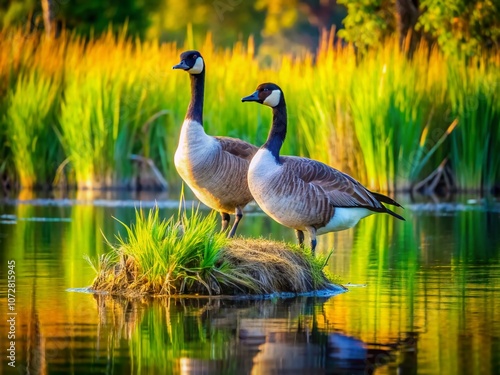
(424, 298)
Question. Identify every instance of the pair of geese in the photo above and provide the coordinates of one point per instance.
(227, 173)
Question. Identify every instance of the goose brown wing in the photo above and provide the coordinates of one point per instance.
(237, 147)
(341, 189)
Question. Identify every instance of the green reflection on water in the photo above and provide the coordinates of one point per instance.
(214, 336)
(431, 301)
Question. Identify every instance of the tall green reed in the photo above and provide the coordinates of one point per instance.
(110, 110)
(475, 101)
(391, 116)
(383, 118)
(29, 123)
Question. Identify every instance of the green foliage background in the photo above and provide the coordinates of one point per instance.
(457, 26)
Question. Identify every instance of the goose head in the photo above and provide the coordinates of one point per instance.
(268, 94)
(192, 62)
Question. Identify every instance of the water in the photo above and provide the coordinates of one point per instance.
(424, 298)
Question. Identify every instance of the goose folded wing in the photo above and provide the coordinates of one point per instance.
(237, 147)
(341, 189)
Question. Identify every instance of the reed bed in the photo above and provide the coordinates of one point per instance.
(187, 255)
(29, 127)
(75, 112)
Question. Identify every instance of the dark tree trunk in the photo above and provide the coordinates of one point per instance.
(48, 16)
(319, 15)
(407, 14)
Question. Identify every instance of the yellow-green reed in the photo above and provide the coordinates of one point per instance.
(29, 124)
(384, 118)
(110, 96)
(475, 101)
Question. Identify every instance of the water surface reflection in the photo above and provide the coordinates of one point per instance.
(426, 300)
(216, 336)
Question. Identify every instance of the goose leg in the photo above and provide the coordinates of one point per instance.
(237, 217)
(225, 221)
(312, 234)
(300, 237)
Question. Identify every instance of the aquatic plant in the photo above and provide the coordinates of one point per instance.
(187, 254)
(475, 101)
(385, 119)
(109, 111)
(29, 123)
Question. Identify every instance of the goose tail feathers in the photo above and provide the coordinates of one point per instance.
(394, 214)
(385, 199)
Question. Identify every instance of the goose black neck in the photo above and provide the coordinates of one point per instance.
(277, 133)
(195, 108)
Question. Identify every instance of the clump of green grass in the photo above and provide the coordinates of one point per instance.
(29, 125)
(392, 115)
(188, 255)
(475, 102)
(111, 110)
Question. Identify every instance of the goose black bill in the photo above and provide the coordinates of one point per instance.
(251, 98)
(182, 65)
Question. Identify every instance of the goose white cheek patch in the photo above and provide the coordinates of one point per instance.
(273, 99)
(197, 67)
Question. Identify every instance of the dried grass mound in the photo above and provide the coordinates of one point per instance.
(276, 266)
(188, 255)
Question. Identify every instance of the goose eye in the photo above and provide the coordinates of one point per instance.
(195, 57)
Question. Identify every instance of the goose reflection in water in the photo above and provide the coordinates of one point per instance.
(215, 336)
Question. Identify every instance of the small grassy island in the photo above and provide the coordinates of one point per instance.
(188, 255)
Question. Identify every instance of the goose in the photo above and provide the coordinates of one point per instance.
(215, 168)
(302, 193)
